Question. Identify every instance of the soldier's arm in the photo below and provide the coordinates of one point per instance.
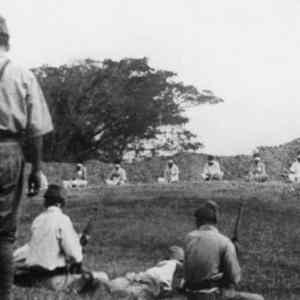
(70, 241)
(232, 269)
(38, 124)
(36, 153)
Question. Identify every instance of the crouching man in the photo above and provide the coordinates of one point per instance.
(53, 257)
(211, 265)
(117, 176)
(294, 172)
(258, 171)
(212, 170)
(159, 281)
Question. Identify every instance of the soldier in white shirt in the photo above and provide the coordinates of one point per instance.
(118, 175)
(54, 242)
(294, 174)
(53, 256)
(258, 171)
(171, 173)
(212, 170)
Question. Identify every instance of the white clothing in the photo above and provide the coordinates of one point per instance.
(295, 168)
(171, 174)
(81, 173)
(294, 176)
(212, 170)
(164, 272)
(117, 177)
(53, 241)
(44, 182)
(75, 183)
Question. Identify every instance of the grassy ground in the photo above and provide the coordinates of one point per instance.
(136, 224)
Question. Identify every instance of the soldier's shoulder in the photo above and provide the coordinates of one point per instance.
(224, 239)
(193, 234)
(20, 70)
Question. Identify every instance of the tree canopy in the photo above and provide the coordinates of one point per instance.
(101, 109)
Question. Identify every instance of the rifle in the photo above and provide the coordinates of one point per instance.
(235, 237)
(88, 229)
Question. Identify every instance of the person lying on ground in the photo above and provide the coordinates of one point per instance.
(118, 175)
(53, 256)
(211, 264)
(212, 170)
(171, 173)
(159, 281)
(258, 171)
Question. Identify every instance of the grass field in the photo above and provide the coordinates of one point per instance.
(136, 224)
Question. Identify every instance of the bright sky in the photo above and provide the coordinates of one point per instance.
(247, 52)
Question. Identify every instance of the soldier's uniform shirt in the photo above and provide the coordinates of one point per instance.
(207, 253)
(53, 241)
(120, 174)
(258, 169)
(213, 169)
(21, 97)
(171, 174)
(295, 168)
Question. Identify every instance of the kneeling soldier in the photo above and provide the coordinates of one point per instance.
(211, 265)
(53, 256)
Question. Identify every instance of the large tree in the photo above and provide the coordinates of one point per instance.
(101, 108)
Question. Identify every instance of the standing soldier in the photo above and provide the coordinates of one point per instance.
(23, 115)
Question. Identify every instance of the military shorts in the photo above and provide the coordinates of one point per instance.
(11, 187)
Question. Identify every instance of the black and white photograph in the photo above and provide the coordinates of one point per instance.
(149, 150)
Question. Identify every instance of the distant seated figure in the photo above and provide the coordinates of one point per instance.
(159, 281)
(258, 170)
(171, 173)
(294, 172)
(79, 180)
(212, 170)
(81, 172)
(118, 175)
(44, 182)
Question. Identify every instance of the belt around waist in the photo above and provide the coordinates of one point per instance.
(205, 284)
(8, 135)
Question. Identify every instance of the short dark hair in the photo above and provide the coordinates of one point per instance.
(4, 40)
(54, 195)
(206, 214)
(54, 202)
